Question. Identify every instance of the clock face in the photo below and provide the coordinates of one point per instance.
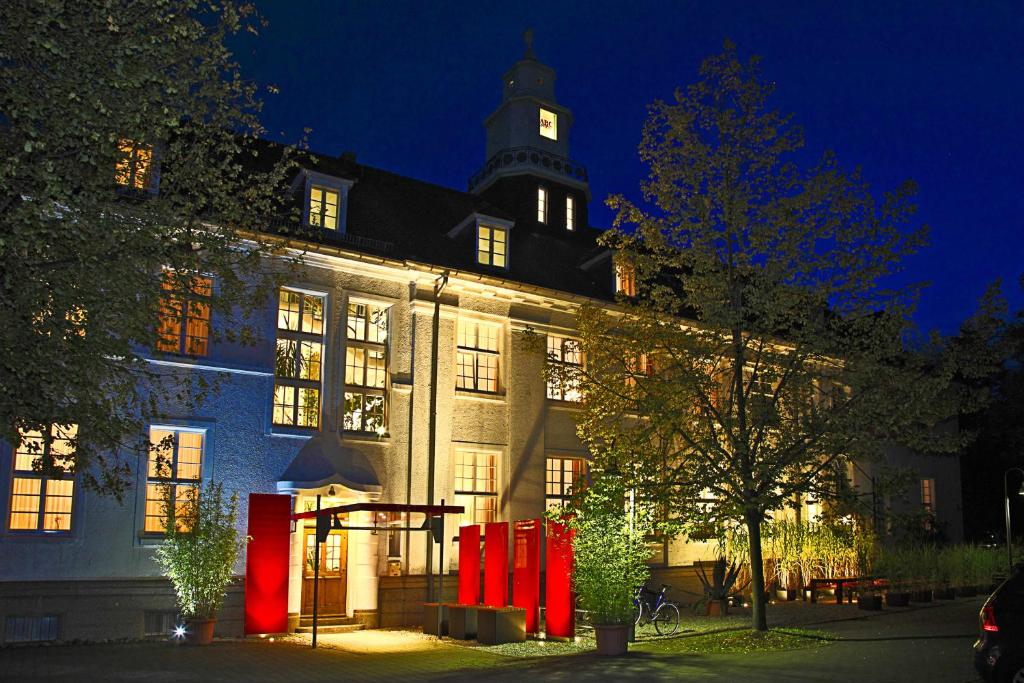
(548, 124)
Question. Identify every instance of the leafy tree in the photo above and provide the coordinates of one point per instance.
(762, 350)
(125, 133)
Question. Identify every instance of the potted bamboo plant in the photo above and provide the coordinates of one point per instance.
(611, 551)
(199, 552)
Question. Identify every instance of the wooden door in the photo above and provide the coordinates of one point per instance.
(333, 573)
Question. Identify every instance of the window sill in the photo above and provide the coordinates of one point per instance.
(486, 396)
(289, 432)
(373, 437)
(563, 404)
(26, 535)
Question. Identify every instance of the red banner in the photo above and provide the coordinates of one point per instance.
(469, 564)
(526, 571)
(496, 564)
(559, 599)
(266, 563)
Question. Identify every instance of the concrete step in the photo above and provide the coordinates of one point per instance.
(336, 628)
(327, 620)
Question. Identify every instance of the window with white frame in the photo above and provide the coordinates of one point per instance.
(625, 279)
(928, 495)
(324, 206)
(478, 356)
(174, 472)
(366, 367)
(542, 204)
(476, 486)
(570, 212)
(568, 355)
(492, 246)
(184, 323)
(42, 481)
(298, 363)
(561, 478)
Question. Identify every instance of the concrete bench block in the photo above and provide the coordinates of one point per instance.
(462, 621)
(497, 625)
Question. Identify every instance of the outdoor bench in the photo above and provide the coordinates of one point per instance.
(462, 621)
(497, 625)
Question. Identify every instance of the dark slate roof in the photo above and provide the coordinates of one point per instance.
(408, 219)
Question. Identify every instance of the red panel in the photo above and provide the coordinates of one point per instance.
(469, 564)
(526, 571)
(559, 599)
(496, 564)
(266, 563)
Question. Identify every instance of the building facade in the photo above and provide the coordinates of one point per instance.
(405, 346)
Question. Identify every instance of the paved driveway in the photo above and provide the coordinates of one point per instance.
(923, 644)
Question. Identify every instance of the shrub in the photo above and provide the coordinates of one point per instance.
(200, 549)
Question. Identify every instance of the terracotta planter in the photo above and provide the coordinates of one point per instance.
(612, 641)
(717, 608)
(200, 631)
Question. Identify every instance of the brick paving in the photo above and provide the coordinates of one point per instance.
(930, 643)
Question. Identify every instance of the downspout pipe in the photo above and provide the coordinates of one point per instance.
(439, 285)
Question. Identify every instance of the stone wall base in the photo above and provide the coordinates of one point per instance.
(107, 609)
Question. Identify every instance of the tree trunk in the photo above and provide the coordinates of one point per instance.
(760, 617)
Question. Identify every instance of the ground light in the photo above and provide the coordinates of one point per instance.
(180, 631)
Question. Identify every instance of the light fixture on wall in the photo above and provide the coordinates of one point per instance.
(330, 491)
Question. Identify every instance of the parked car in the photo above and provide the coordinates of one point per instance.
(999, 651)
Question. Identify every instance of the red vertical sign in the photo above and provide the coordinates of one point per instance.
(559, 599)
(526, 570)
(496, 564)
(469, 564)
(266, 563)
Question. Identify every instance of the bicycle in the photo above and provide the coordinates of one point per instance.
(664, 613)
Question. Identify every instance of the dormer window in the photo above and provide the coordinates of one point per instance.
(323, 207)
(548, 124)
(570, 213)
(325, 199)
(625, 279)
(542, 204)
(134, 165)
(492, 246)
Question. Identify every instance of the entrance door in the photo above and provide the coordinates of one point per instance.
(333, 573)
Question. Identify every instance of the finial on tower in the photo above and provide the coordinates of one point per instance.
(528, 39)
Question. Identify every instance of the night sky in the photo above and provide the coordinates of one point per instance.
(932, 91)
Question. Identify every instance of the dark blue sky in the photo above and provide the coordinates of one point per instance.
(932, 91)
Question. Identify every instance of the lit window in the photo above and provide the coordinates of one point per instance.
(760, 388)
(184, 325)
(928, 495)
(134, 165)
(42, 500)
(568, 355)
(323, 208)
(548, 124)
(478, 356)
(366, 367)
(174, 472)
(570, 213)
(476, 486)
(625, 280)
(542, 204)
(298, 361)
(491, 246)
(560, 479)
(638, 367)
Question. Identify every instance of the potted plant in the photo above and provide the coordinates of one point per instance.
(199, 552)
(611, 551)
(892, 565)
(719, 585)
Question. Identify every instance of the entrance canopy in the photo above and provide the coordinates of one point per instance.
(428, 510)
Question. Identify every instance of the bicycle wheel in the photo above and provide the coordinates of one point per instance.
(638, 612)
(666, 621)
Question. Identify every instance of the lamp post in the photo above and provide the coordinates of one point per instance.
(1006, 499)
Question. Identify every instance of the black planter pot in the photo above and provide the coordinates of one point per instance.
(945, 594)
(922, 596)
(967, 592)
(870, 602)
(897, 599)
(785, 595)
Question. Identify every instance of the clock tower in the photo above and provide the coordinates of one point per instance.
(528, 171)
